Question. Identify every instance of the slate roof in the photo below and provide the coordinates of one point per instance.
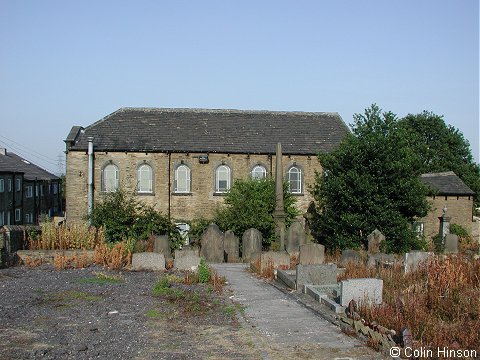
(446, 183)
(11, 162)
(208, 130)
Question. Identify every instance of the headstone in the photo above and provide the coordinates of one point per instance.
(381, 260)
(312, 254)
(375, 241)
(277, 259)
(295, 237)
(212, 244)
(324, 274)
(148, 261)
(186, 259)
(161, 245)
(231, 246)
(251, 244)
(350, 256)
(451, 244)
(412, 260)
(369, 290)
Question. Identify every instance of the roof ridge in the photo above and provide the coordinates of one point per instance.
(207, 110)
(444, 173)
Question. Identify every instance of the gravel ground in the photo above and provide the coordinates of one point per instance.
(96, 314)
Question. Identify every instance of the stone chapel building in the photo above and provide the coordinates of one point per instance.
(182, 161)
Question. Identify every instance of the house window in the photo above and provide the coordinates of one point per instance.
(55, 188)
(41, 189)
(29, 191)
(110, 178)
(9, 182)
(37, 190)
(182, 179)
(2, 218)
(259, 172)
(18, 215)
(294, 178)
(222, 179)
(145, 179)
(29, 218)
(18, 185)
(2, 185)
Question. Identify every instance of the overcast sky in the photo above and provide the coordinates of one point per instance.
(65, 63)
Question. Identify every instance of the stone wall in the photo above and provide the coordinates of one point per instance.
(459, 208)
(202, 200)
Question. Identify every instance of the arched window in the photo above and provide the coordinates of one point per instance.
(222, 179)
(259, 172)
(294, 178)
(110, 178)
(182, 179)
(145, 179)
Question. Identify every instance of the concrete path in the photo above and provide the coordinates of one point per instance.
(284, 328)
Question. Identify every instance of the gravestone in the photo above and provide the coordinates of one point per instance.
(276, 259)
(231, 245)
(375, 241)
(312, 254)
(161, 245)
(212, 244)
(350, 256)
(186, 259)
(251, 245)
(451, 244)
(324, 274)
(412, 260)
(295, 237)
(369, 290)
(381, 260)
(148, 261)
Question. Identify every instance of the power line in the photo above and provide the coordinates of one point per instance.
(42, 158)
(27, 150)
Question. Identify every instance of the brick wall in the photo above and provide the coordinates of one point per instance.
(459, 208)
(202, 200)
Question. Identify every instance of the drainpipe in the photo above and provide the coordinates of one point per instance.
(169, 183)
(90, 176)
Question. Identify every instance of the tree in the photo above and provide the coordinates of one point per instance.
(370, 181)
(250, 204)
(441, 147)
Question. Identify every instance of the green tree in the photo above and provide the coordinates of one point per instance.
(250, 204)
(370, 181)
(441, 147)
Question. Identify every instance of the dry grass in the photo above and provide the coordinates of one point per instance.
(29, 262)
(62, 262)
(73, 237)
(114, 257)
(439, 303)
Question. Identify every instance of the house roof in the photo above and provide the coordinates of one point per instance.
(446, 183)
(207, 130)
(11, 162)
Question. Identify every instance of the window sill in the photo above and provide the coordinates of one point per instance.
(182, 194)
(145, 193)
(297, 194)
(219, 193)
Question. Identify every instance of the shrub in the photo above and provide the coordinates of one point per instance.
(123, 217)
(250, 204)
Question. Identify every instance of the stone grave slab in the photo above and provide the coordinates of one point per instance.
(148, 261)
(312, 254)
(412, 259)
(368, 290)
(251, 245)
(212, 243)
(323, 274)
(231, 245)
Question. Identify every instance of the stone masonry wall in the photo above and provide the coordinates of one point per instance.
(459, 208)
(202, 200)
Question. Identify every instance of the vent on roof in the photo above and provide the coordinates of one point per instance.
(3, 151)
(26, 162)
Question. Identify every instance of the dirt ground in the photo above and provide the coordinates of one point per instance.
(96, 314)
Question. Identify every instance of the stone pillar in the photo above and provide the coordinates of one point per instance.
(279, 214)
(444, 226)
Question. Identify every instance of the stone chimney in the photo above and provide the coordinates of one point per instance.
(3, 151)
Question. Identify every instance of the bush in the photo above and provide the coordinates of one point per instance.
(123, 217)
(203, 272)
(250, 204)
